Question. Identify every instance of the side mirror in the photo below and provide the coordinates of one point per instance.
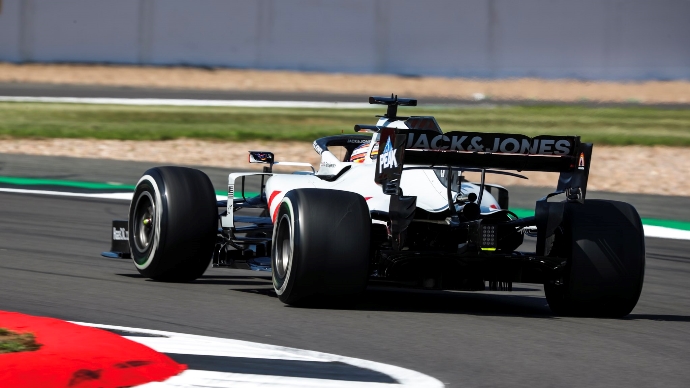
(261, 157)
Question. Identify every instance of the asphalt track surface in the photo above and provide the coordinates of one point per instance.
(50, 265)
(98, 91)
(90, 91)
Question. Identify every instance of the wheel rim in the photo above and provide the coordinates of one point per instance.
(283, 247)
(143, 225)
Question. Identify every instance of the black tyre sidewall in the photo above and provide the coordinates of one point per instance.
(186, 226)
(155, 266)
(285, 215)
(605, 271)
(330, 256)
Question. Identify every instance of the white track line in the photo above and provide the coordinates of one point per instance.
(649, 230)
(118, 196)
(191, 102)
(207, 379)
(663, 232)
(201, 345)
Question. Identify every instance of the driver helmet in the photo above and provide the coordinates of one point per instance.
(359, 154)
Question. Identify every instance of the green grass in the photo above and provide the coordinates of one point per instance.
(616, 126)
(11, 342)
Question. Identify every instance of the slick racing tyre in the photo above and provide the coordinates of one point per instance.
(320, 247)
(603, 242)
(173, 221)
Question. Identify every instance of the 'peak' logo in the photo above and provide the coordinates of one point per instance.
(388, 159)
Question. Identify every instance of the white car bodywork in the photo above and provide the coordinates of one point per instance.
(423, 183)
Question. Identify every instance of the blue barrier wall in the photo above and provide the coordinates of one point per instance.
(586, 39)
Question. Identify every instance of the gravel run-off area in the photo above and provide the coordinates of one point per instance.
(630, 169)
(564, 90)
(633, 169)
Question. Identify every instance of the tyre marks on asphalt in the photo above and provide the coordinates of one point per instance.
(220, 362)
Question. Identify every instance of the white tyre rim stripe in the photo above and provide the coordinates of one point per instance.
(158, 208)
(286, 200)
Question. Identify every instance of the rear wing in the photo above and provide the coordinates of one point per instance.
(393, 102)
(563, 154)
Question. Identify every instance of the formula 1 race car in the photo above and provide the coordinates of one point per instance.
(398, 210)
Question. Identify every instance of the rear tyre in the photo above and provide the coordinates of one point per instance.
(173, 221)
(604, 244)
(320, 250)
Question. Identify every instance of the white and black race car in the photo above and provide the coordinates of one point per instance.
(396, 209)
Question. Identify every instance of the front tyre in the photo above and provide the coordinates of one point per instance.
(320, 246)
(173, 221)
